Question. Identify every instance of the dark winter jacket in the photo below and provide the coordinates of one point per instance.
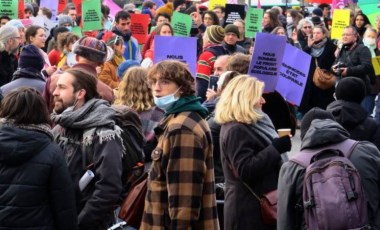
(257, 164)
(35, 185)
(8, 65)
(354, 118)
(25, 78)
(314, 96)
(365, 157)
(359, 63)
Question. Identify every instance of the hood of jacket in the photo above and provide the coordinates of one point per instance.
(323, 132)
(348, 114)
(18, 145)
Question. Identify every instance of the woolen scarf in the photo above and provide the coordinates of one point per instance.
(264, 128)
(318, 48)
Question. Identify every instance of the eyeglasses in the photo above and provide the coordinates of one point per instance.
(16, 37)
(347, 35)
(307, 27)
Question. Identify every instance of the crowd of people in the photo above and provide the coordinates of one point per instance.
(212, 151)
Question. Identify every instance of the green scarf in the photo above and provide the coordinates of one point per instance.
(188, 103)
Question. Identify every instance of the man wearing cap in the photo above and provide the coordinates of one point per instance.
(9, 43)
(212, 48)
(231, 38)
(90, 53)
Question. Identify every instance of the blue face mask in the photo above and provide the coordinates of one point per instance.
(166, 102)
(69, 28)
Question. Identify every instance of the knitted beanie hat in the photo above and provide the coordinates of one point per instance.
(350, 89)
(215, 34)
(124, 66)
(29, 7)
(167, 9)
(64, 19)
(31, 58)
(314, 113)
(318, 12)
(91, 49)
(231, 28)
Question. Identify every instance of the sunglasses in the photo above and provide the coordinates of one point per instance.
(307, 27)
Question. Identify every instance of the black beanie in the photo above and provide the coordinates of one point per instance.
(350, 89)
(31, 58)
(231, 28)
(314, 113)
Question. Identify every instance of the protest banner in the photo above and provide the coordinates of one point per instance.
(52, 5)
(114, 8)
(9, 8)
(61, 5)
(213, 3)
(293, 74)
(341, 19)
(21, 7)
(266, 59)
(91, 15)
(253, 22)
(181, 24)
(182, 49)
(159, 3)
(376, 64)
(139, 27)
(233, 12)
(77, 30)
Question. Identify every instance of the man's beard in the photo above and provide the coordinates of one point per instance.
(63, 106)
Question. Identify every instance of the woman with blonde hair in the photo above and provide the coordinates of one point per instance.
(135, 92)
(250, 150)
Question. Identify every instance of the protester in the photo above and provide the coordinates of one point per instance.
(90, 53)
(54, 54)
(9, 44)
(3, 20)
(220, 65)
(212, 48)
(270, 21)
(231, 36)
(348, 112)
(354, 60)
(164, 29)
(35, 35)
(124, 66)
(90, 140)
(71, 11)
(181, 180)
(305, 28)
(37, 189)
(21, 29)
(243, 41)
(108, 74)
(65, 46)
(28, 10)
(292, 19)
(149, 7)
(369, 40)
(361, 23)
(135, 92)
(318, 129)
(220, 12)
(210, 18)
(250, 151)
(28, 74)
(322, 50)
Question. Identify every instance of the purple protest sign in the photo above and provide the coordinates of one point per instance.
(183, 49)
(159, 3)
(266, 59)
(52, 5)
(293, 74)
(114, 8)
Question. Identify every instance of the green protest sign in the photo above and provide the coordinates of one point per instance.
(181, 24)
(77, 30)
(253, 22)
(91, 15)
(9, 8)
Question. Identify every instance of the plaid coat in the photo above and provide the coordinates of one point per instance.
(181, 191)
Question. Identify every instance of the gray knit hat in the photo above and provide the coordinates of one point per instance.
(64, 19)
(231, 28)
(215, 34)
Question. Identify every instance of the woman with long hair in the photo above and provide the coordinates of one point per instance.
(292, 19)
(165, 29)
(135, 92)
(270, 21)
(250, 151)
(361, 23)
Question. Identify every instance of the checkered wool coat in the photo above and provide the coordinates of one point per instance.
(181, 191)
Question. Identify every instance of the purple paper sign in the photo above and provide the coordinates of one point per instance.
(266, 59)
(293, 74)
(183, 49)
(159, 3)
(114, 8)
(52, 5)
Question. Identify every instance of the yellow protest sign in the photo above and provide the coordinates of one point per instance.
(213, 3)
(376, 64)
(341, 19)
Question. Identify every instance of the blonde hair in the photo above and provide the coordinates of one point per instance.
(238, 100)
(134, 90)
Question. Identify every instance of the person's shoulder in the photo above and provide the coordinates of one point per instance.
(188, 120)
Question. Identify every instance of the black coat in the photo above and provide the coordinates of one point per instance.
(35, 186)
(257, 164)
(8, 65)
(314, 96)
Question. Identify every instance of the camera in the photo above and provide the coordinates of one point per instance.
(338, 68)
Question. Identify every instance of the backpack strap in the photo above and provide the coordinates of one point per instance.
(303, 158)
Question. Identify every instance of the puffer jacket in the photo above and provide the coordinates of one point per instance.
(365, 157)
(35, 186)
